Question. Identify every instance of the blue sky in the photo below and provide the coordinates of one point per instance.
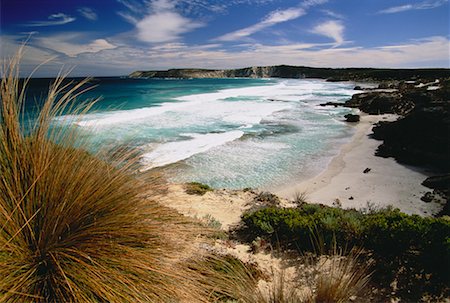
(116, 37)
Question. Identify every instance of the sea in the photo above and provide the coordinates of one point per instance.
(228, 133)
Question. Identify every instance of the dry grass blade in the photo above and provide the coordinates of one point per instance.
(73, 227)
(341, 277)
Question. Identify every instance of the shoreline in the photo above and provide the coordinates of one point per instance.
(387, 182)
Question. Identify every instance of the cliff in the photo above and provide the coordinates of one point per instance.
(287, 71)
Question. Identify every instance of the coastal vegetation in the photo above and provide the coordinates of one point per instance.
(197, 188)
(73, 227)
(83, 227)
(400, 244)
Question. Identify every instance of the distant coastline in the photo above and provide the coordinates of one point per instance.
(299, 72)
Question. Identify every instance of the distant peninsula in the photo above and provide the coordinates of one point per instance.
(298, 72)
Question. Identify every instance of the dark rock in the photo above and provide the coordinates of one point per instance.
(352, 118)
(351, 198)
(357, 88)
(366, 170)
(335, 104)
(421, 138)
(441, 185)
(428, 197)
(388, 85)
(376, 103)
(441, 182)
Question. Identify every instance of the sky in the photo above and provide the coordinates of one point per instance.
(117, 37)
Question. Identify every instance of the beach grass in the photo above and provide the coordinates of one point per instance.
(74, 228)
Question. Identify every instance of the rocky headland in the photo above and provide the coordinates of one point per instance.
(288, 71)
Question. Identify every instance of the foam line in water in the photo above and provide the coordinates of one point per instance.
(173, 152)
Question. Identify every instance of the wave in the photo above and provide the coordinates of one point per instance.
(173, 152)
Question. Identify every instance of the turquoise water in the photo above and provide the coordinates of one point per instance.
(229, 133)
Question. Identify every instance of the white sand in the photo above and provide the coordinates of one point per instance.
(387, 183)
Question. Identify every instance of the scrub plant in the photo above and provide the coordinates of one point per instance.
(74, 228)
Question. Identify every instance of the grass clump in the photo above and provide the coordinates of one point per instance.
(228, 279)
(74, 228)
(341, 276)
(197, 188)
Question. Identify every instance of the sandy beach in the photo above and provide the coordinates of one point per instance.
(387, 182)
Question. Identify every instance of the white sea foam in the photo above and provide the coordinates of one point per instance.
(287, 129)
(173, 152)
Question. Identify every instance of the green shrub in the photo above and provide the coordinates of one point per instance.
(197, 188)
(386, 232)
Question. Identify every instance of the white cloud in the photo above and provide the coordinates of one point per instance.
(429, 52)
(94, 57)
(164, 26)
(88, 13)
(332, 29)
(309, 3)
(160, 23)
(271, 19)
(65, 43)
(333, 14)
(415, 6)
(55, 19)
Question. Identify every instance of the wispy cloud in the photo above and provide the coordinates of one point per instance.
(332, 29)
(333, 14)
(54, 19)
(414, 6)
(273, 18)
(426, 52)
(310, 3)
(69, 45)
(88, 13)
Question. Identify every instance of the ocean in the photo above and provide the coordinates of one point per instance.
(228, 133)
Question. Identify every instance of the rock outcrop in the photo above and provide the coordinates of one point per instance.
(421, 137)
(351, 118)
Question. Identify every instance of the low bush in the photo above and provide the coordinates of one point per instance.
(393, 237)
(386, 232)
(197, 188)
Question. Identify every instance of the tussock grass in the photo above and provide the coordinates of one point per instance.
(341, 276)
(74, 228)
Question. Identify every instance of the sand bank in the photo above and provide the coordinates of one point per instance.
(387, 182)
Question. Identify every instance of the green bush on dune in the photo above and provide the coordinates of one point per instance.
(387, 232)
(410, 251)
(197, 188)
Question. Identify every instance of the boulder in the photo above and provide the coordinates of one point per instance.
(352, 118)
(441, 182)
(428, 197)
(335, 104)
